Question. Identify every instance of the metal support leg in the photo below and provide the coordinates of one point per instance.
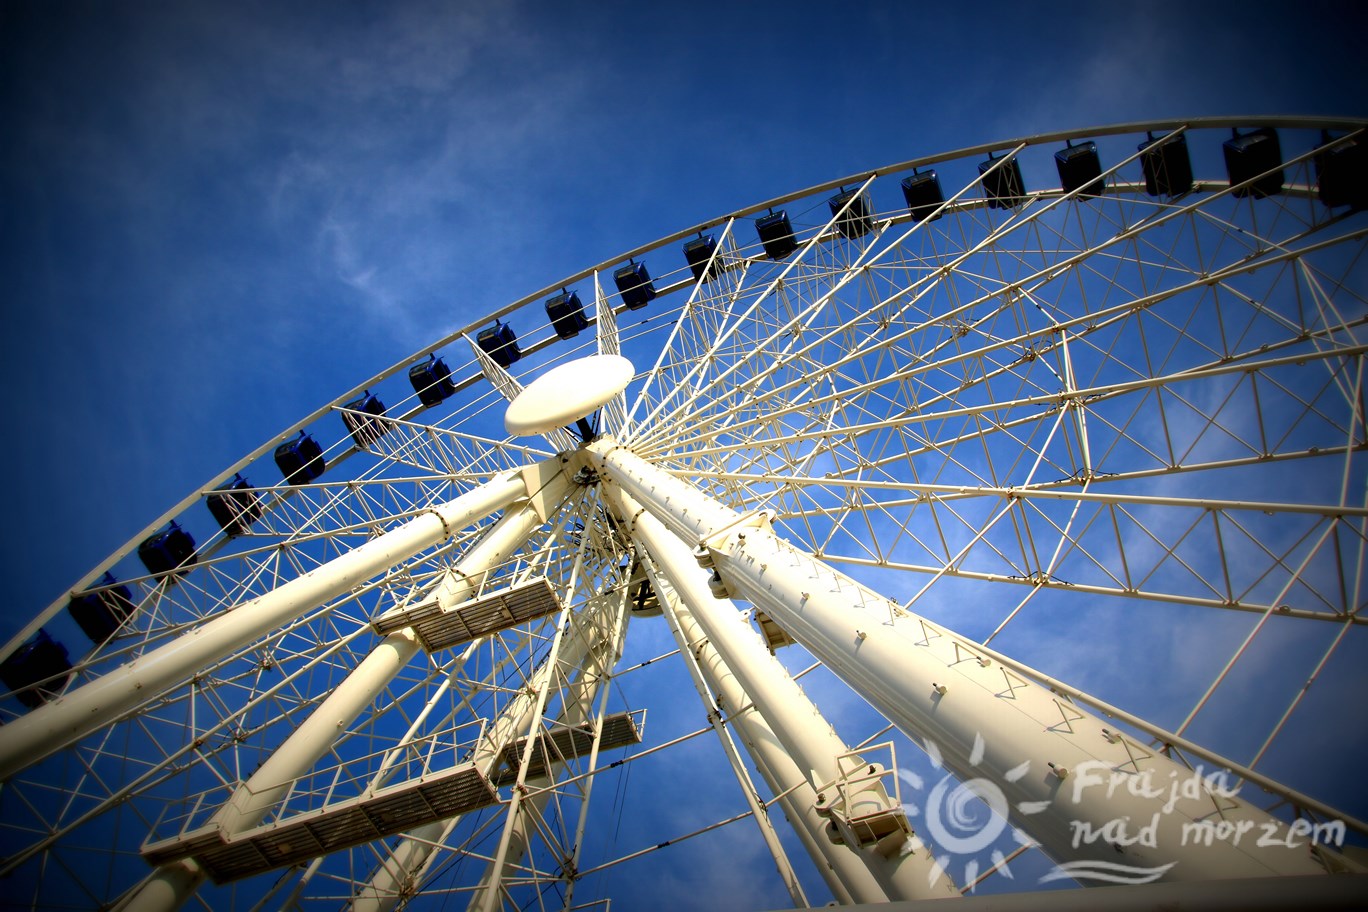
(87, 709)
(255, 798)
(608, 630)
(669, 602)
(1092, 795)
(491, 897)
(844, 873)
(901, 864)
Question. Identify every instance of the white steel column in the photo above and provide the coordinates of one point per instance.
(844, 872)
(904, 870)
(86, 709)
(1092, 793)
(688, 653)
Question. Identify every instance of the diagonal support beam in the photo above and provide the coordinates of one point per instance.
(173, 882)
(87, 709)
(941, 688)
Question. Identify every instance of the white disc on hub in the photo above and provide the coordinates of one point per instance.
(564, 394)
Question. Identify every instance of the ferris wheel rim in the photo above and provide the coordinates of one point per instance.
(87, 581)
(816, 190)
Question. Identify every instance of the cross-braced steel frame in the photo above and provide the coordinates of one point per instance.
(1038, 491)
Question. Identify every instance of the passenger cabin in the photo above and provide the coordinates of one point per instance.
(170, 549)
(634, 284)
(1080, 169)
(857, 220)
(1254, 156)
(699, 253)
(300, 460)
(37, 671)
(431, 380)
(500, 343)
(102, 612)
(1167, 166)
(566, 314)
(922, 191)
(1342, 174)
(359, 416)
(235, 506)
(776, 234)
(1002, 183)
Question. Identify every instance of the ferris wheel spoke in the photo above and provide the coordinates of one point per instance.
(699, 318)
(283, 545)
(1098, 320)
(707, 386)
(218, 733)
(1311, 678)
(1093, 534)
(809, 264)
(1254, 420)
(1077, 425)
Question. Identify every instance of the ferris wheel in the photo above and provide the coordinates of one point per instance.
(991, 521)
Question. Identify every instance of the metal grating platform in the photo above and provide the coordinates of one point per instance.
(567, 743)
(329, 829)
(437, 629)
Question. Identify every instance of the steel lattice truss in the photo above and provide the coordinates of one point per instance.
(1126, 423)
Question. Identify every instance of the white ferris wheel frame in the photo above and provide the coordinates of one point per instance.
(745, 401)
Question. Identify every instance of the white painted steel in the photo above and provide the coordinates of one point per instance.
(845, 872)
(909, 871)
(493, 895)
(594, 647)
(927, 680)
(87, 709)
(696, 653)
(566, 393)
(263, 790)
(593, 641)
(1105, 435)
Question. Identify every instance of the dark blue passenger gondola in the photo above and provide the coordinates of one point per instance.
(634, 284)
(776, 234)
(1254, 157)
(1167, 166)
(922, 191)
(699, 253)
(1080, 169)
(431, 380)
(1002, 183)
(359, 416)
(235, 506)
(170, 549)
(566, 314)
(857, 220)
(1342, 173)
(43, 662)
(300, 460)
(100, 614)
(500, 343)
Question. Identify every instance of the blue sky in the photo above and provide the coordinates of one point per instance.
(215, 216)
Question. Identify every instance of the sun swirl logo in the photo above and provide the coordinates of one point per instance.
(962, 819)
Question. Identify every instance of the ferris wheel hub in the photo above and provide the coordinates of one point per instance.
(567, 393)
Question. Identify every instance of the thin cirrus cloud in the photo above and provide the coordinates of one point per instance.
(268, 204)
